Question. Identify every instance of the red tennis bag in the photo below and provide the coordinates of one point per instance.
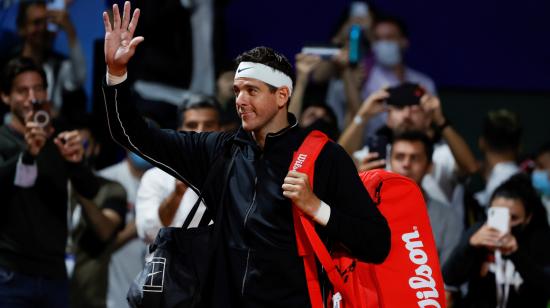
(409, 277)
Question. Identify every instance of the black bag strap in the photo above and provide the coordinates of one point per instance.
(214, 171)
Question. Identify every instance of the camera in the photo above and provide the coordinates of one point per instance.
(41, 113)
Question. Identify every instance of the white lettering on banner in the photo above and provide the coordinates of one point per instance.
(299, 162)
(423, 278)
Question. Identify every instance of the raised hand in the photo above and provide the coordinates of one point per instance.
(69, 144)
(120, 43)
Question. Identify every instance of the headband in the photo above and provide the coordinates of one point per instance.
(264, 73)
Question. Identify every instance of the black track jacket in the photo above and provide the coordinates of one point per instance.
(260, 266)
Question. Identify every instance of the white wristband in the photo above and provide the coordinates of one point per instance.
(358, 120)
(322, 215)
(113, 80)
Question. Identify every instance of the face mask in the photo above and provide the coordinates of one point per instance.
(139, 162)
(387, 53)
(541, 182)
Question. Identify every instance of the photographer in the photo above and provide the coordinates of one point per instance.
(34, 172)
(523, 256)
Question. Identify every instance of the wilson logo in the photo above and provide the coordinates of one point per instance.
(299, 162)
(423, 281)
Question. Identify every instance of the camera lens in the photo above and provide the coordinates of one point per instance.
(42, 118)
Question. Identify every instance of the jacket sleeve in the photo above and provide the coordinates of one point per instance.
(354, 221)
(464, 261)
(534, 264)
(185, 155)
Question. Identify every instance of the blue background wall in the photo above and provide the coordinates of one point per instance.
(474, 44)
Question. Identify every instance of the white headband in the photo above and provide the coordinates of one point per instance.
(264, 73)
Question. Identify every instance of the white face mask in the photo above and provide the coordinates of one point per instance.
(387, 53)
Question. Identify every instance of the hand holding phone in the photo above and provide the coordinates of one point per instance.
(55, 5)
(405, 94)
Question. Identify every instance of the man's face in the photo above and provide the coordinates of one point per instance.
(27, 87)
(312, 114)
(543, 161)
(257, 106)
(200, 120)
(408, 158)
(407, 118)
(34, 29)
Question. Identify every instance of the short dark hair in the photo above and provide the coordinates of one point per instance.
(24, 5)
(502, 130)
(197, 101)
(416, 136)
(18, 66)
(269, 57)
(519, 187)
(392, 20)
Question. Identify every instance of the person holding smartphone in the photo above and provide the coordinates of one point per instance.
(35, 22)
(504, 269)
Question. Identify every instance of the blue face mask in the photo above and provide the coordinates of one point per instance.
(139, 162)
(541, 182)
(387, 53)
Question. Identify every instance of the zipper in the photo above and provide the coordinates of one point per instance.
(244, 225)
(245, 271)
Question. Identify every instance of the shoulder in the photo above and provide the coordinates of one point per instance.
(110, 190)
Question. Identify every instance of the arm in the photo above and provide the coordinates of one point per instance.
(74, 73)
(163, 148)
(156, 204)
(347, 212)
(352, 136)
(104, 221)
(460, 149)
(305, 64)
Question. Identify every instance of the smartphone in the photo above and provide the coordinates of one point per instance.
(54, 5)
(378, 144)
(325, 52)
(499, 218)
(405, 94)
(355, 41)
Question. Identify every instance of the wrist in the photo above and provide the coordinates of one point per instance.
(442, 124)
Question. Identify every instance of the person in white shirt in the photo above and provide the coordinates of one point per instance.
(163, 201)
(500, 142)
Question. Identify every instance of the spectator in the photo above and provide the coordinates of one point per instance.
(410, 156)
(94, 225)
(524, 253)
(499, 142)
(452, 156)
(65, 76)
(315, 115)
(390, 41)
(162, 200)
(35, 169)
(541, 175)
(128, 260)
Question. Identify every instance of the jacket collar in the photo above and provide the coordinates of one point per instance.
(243, 136)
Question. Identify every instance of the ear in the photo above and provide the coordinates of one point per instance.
(282, 96)
(5, 98)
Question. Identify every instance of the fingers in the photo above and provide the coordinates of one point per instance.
(133, 23)
(107, 22)
(116, 18)
(375, 164)
(133, 44)
(125, 16)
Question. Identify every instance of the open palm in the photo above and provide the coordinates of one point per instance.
(120, 45)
